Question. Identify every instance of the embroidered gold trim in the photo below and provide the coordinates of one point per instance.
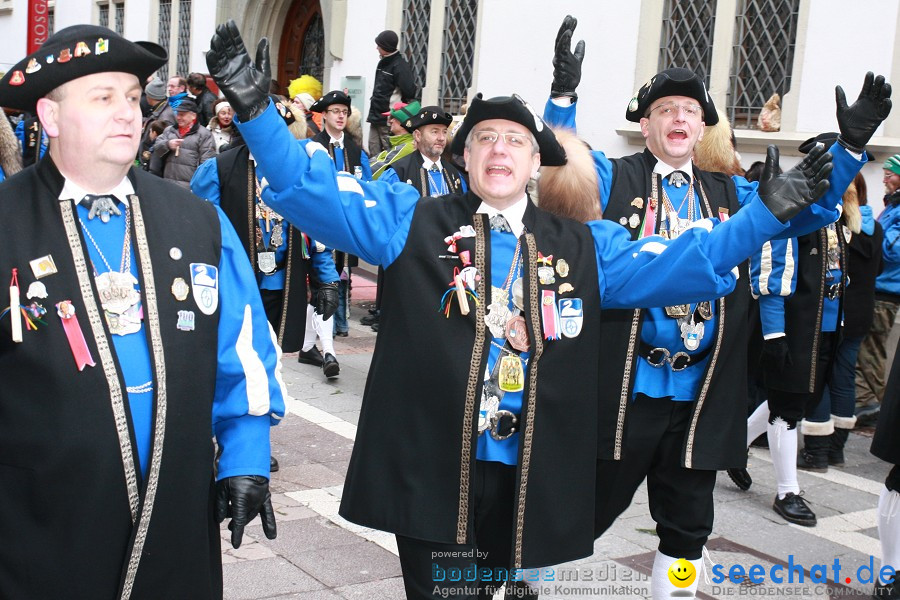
(95, 319)
(527, 429)
(626, 384)
(251, 213)
(154, 334)
(707, 379)
(476, 371)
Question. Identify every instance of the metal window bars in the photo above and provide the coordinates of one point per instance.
(458, 53)
(687, 36)
(762, 57)
(414, 36)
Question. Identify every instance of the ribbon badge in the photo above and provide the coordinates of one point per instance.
(205, 287)
(77, 343)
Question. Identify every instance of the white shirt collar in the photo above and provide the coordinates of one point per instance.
(427, 162)
(665, 169)
(337, 141)
(73, 191)
(513, 214)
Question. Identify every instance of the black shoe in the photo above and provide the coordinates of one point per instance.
(836, 447)
(310, 357)
(375, 327)
(808, 461)
(741, 478)
(273, 464)
(868, 416)
(795, 509)
(370, 319)
(330, 366)
(341, 333)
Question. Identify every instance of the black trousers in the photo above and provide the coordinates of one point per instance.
(792, 407)
(681, 500)
(273, 301)
(436, 570)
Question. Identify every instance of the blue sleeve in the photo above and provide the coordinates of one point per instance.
(890, 247)
(250, 391)
(560, 116)
(771, 315)
(205, 182)
(826, 210)
(389, 175)
(366, 167)
(603, 167)
(2, 174)
(695, 266)
(773, 277)
(323, 264)
(368, 219)
(463, 185)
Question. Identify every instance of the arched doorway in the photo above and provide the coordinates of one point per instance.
(302, 49)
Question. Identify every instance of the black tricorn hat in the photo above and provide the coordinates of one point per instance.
(429, 115)
(332, 97)
(511, 108)
(672, 82)
(827, 139)
(74, 52)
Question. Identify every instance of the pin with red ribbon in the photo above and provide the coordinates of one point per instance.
(79, 347)
(462, 292)
(550, 315)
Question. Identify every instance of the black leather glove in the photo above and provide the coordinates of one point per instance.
(776, 355)
(245, 84)
(789, 193)
(242, 498)
(567, 64)
(326, 302)
(859, 121)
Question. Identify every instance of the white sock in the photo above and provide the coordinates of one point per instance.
(783, 447)
(661, 587)
(309, 338)
(325, 329)
(757, 422)
(889, 528)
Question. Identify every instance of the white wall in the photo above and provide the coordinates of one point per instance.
(13, 27)
(516, 56)
(365, 20)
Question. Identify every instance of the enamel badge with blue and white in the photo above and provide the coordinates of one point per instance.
(205, 287)
(571, 316)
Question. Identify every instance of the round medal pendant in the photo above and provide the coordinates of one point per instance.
(488, 408)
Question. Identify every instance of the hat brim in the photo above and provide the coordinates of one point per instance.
(672, 82)
(511, 108)
(72, 53)
(322, 104)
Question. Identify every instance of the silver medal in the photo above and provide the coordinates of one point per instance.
(277, 235)
(266, 262)
(692, 333)
(489, 406)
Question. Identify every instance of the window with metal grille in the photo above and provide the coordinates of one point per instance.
(120, 18)
(184, 37)
(313, 53)
(687, 35)
(458, 53)
(762, 57)
(104, 15)
(414, 36)
(165, 32)
(51, 20)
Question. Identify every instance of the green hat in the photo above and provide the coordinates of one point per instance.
(893, 164)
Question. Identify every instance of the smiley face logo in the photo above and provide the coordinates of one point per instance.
(682, 573)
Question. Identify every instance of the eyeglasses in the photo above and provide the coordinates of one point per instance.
(342, 112)
(489, 138)
(670, 109)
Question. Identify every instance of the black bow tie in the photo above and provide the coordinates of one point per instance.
(100, 205)
(678, 178)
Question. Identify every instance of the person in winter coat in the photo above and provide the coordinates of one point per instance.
(221, 124)
(10, 155)
(394, 80)
(182, 147)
